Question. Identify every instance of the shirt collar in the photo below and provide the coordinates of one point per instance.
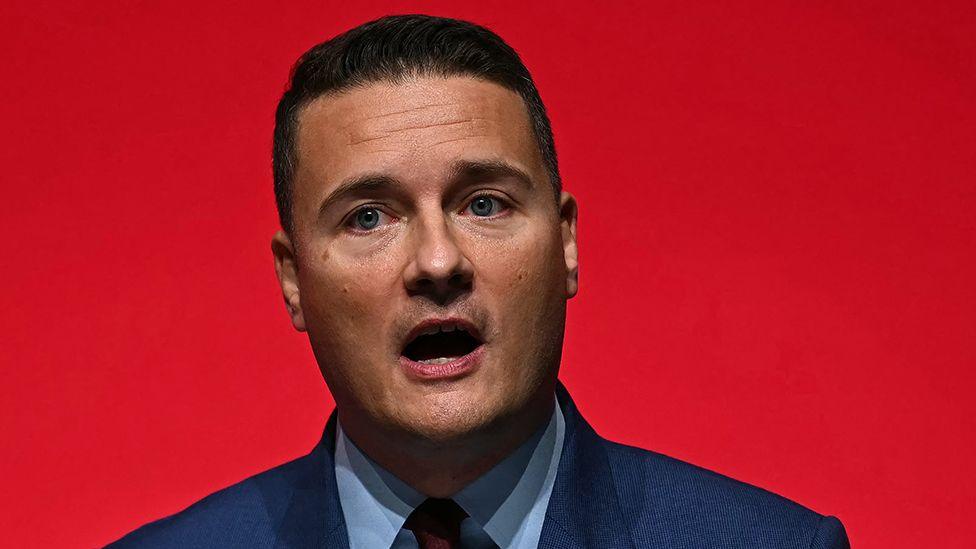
(509, 501)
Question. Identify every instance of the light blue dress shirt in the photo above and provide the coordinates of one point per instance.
(506, 506)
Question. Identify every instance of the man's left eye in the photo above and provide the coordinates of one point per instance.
(485, 206)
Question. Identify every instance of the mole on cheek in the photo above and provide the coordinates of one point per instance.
(520, 277)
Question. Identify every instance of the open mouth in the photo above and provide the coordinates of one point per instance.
(440, 343)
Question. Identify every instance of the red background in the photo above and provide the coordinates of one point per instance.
(776, 236)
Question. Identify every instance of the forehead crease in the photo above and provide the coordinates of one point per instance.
(472, 135)
(465, 126)
(418, 109)
(441, 116)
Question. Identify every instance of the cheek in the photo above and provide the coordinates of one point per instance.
(531, 266)
(346, 302)
(346, 314)
(524, 280)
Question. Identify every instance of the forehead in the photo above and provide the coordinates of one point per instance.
(412, 130)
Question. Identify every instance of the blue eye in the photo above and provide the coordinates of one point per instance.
(367, 218)
(483, 206)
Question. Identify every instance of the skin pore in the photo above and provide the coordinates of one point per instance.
(428, 199)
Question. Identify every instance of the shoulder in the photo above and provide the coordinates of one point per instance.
(244, 514)
(695, 507)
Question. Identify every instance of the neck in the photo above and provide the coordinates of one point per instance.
(440, 469)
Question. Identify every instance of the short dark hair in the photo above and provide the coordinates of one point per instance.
(391, 49)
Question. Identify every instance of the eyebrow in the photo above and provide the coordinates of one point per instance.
(489, 170)
(358, 185)
(461, 171)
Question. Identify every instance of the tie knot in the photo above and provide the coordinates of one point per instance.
(436, 523)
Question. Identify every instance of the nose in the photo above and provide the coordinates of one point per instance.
(438, 268)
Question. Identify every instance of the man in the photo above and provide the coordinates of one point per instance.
(428, 251)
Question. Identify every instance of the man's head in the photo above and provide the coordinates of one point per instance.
(427, 249)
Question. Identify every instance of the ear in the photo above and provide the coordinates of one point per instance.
(567, 215)
(286, 267)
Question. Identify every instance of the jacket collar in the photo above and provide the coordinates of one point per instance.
(314, 517)
(583, 510)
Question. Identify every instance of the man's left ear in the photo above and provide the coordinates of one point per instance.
(567, 214)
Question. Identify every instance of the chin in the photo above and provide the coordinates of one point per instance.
(453, 416)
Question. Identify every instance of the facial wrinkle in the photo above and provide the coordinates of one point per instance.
(357, 140)
(412, 109)
(461, 138)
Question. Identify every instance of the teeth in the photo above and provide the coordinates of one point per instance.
(437, 328)
(442, 360)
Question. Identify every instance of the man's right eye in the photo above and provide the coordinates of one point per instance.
(367, 218)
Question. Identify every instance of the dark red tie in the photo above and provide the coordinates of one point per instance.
(436, 523)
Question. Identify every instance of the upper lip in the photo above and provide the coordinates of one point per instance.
(434, 325)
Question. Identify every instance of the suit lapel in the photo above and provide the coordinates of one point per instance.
(583, 509)
(314, 517)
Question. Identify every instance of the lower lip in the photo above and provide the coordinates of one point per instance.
(458, 367)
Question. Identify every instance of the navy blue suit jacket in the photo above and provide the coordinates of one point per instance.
(606, 495)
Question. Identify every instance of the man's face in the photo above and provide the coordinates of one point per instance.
(429, 262)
